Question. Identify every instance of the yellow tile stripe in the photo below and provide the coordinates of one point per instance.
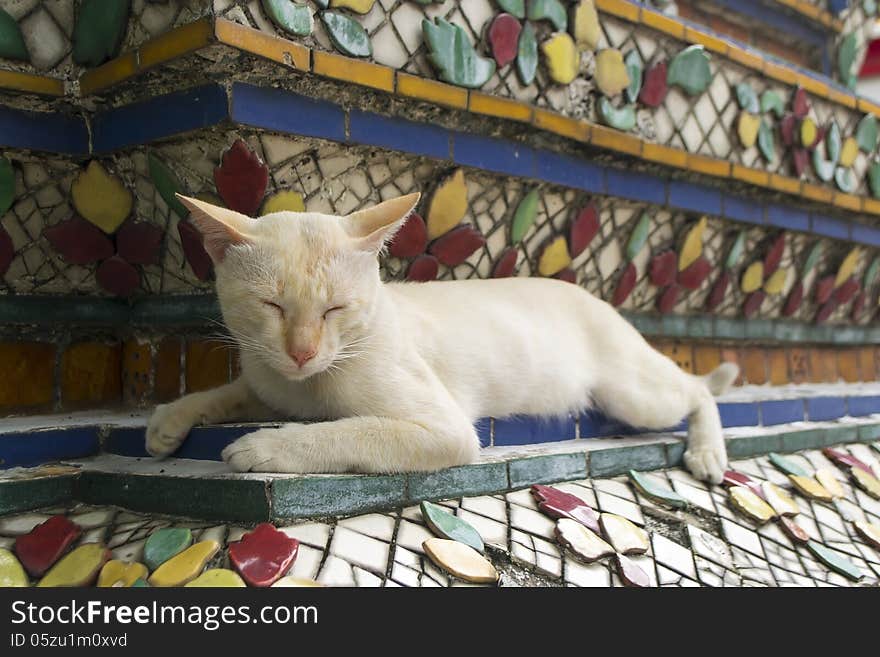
(265, 45)
(42, 85)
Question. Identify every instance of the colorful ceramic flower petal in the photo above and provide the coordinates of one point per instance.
(849, 152)
(347, 34)
(747, 98)
(776, 282)
(527, 55)
(505, 266)
(78, 568)
(460, 560)
(296, 582)
(694, 274)
(663, 268)
(165, 543)
(284, 201)
(782, 502)
(100, 198)
(611, 75)
(562, 58)
(786, 466)
(690, 70)
(139, 242)
(217, 578)
(504, 38)
(734, 478)
(524, 216)
(453, 55)
(635, 68)
(848, 266)
(457, 245)
(793, 530)
(718, 291)
(586, 28)
(241, 178)
(625, 285)
(619, 118)
(800, 104)
(771, 101)
(638, 237)
(824, 289)
(446, 525)
(99, 30)
(810, 488)
(631, 574)
(117, 573)
(868, 531)
(846, 460)
(515, 7)
(583, 543)
(12, 575)
(422, 269)
(292, 17)
(584, 228)
(40, 548)
(118, 277)
(559, 504)
(357, 6)
(835, 561)
(167, 184)
(830, 482)
(186, 566)
(12, 45)
(550, 10)
(448, 205)
(668, 298)
(753, 303)
(554, 258)
(747, 127)
(866, 481)
(411, 239)
(656, 492)
(753, 277)
(866, 133)
(194, 250)
(692, 245)
(78, 241)
(626, 537)
(766, 141)
(750, 505)
(264, 555)
(654, 87)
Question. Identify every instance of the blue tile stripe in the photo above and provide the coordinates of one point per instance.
(43, 131)
(206, 443)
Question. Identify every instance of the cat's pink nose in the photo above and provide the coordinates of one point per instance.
(301, 357)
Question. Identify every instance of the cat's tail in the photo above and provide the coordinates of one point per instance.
(721, 378)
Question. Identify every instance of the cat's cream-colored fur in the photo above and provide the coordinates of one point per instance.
(398, 372)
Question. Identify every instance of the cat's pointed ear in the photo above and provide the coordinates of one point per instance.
(373, 227)
(220, 227)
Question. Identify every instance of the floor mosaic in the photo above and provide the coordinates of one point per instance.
(650, 542)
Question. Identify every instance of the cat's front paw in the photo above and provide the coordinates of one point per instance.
(707, 462)
(266, 450)
(167, 429)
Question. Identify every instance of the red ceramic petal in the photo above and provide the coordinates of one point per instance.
(800, 104)
(424, 268)
(241, 179)
(654, 87)
(847, 291)
(264, 555)
(774, 255)
(118, 277)
(583, 229)
(858, 306)
(800, 160)
(39, 549)
(139, 242)
(826, 310)
(794, 300)
(194, 251)
(753, 303)
(559, 504)
(457, 245)
(794, 531)
(504, 38)
(663, 268)
(625, 285)
(78, 241)
(786, 128)
(631, 574)
(7, 251)
(667, 300)
(695, 273)
(734, 478)
(567, 275)
(718, 291)
(506, 264)
(847, 460)
(411, 239)
(824, 288)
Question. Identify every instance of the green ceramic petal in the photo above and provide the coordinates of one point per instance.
(515, 7)
(869, 7)
(527, 55)
(824, 169)
(551, 10)
(12, 44)
(524, 216)
(871, 272)
(99, 30)
(167, 184)
(7, 185)
(140, 583)
(348, 35)
(446, 525)
(690, 70)
(835, 561)
(623, 118)
(164, 543)
(812, 258)
(454, 56)
(736, 250)
(766, 141)
(771, 101)
(845, 179)
(846, 57)
(866, 133)
(655, 492)
(291, 17)
(635, 68)
(785, 465)
(874, 179)
(747, 98)
(639, 237)
(833, 143)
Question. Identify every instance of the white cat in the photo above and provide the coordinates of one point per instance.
(402, 370)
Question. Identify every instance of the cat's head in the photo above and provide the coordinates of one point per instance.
(298, 289)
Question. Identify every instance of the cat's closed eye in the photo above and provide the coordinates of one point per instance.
(274, 306)
(332, 310)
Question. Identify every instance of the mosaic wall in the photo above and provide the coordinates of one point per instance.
(112, 226)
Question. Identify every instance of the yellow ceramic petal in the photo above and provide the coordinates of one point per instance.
(747, 128)
(810, 488)
(750, 505)
(869, 532)
(217, 578)
(555, 258)
(782, 502)
(867, 482)
(776, 283)
(11, 572)
(101, 198)
(360, 6)
(448, 205)
(692, 246)
(849, 152)
(286, 201)
(611, 74)
(753, 277)
(79, 568)
(808, 132)
(623, 534)
(185, 566)
(295, 582)
(121, 573)
(562, 58)
(847, 267)
(828, 479)
(460, 560)
(587, 30)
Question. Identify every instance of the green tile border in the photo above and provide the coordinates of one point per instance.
(478, 479)
(18, 495)
(327, 495)
(546, 469)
